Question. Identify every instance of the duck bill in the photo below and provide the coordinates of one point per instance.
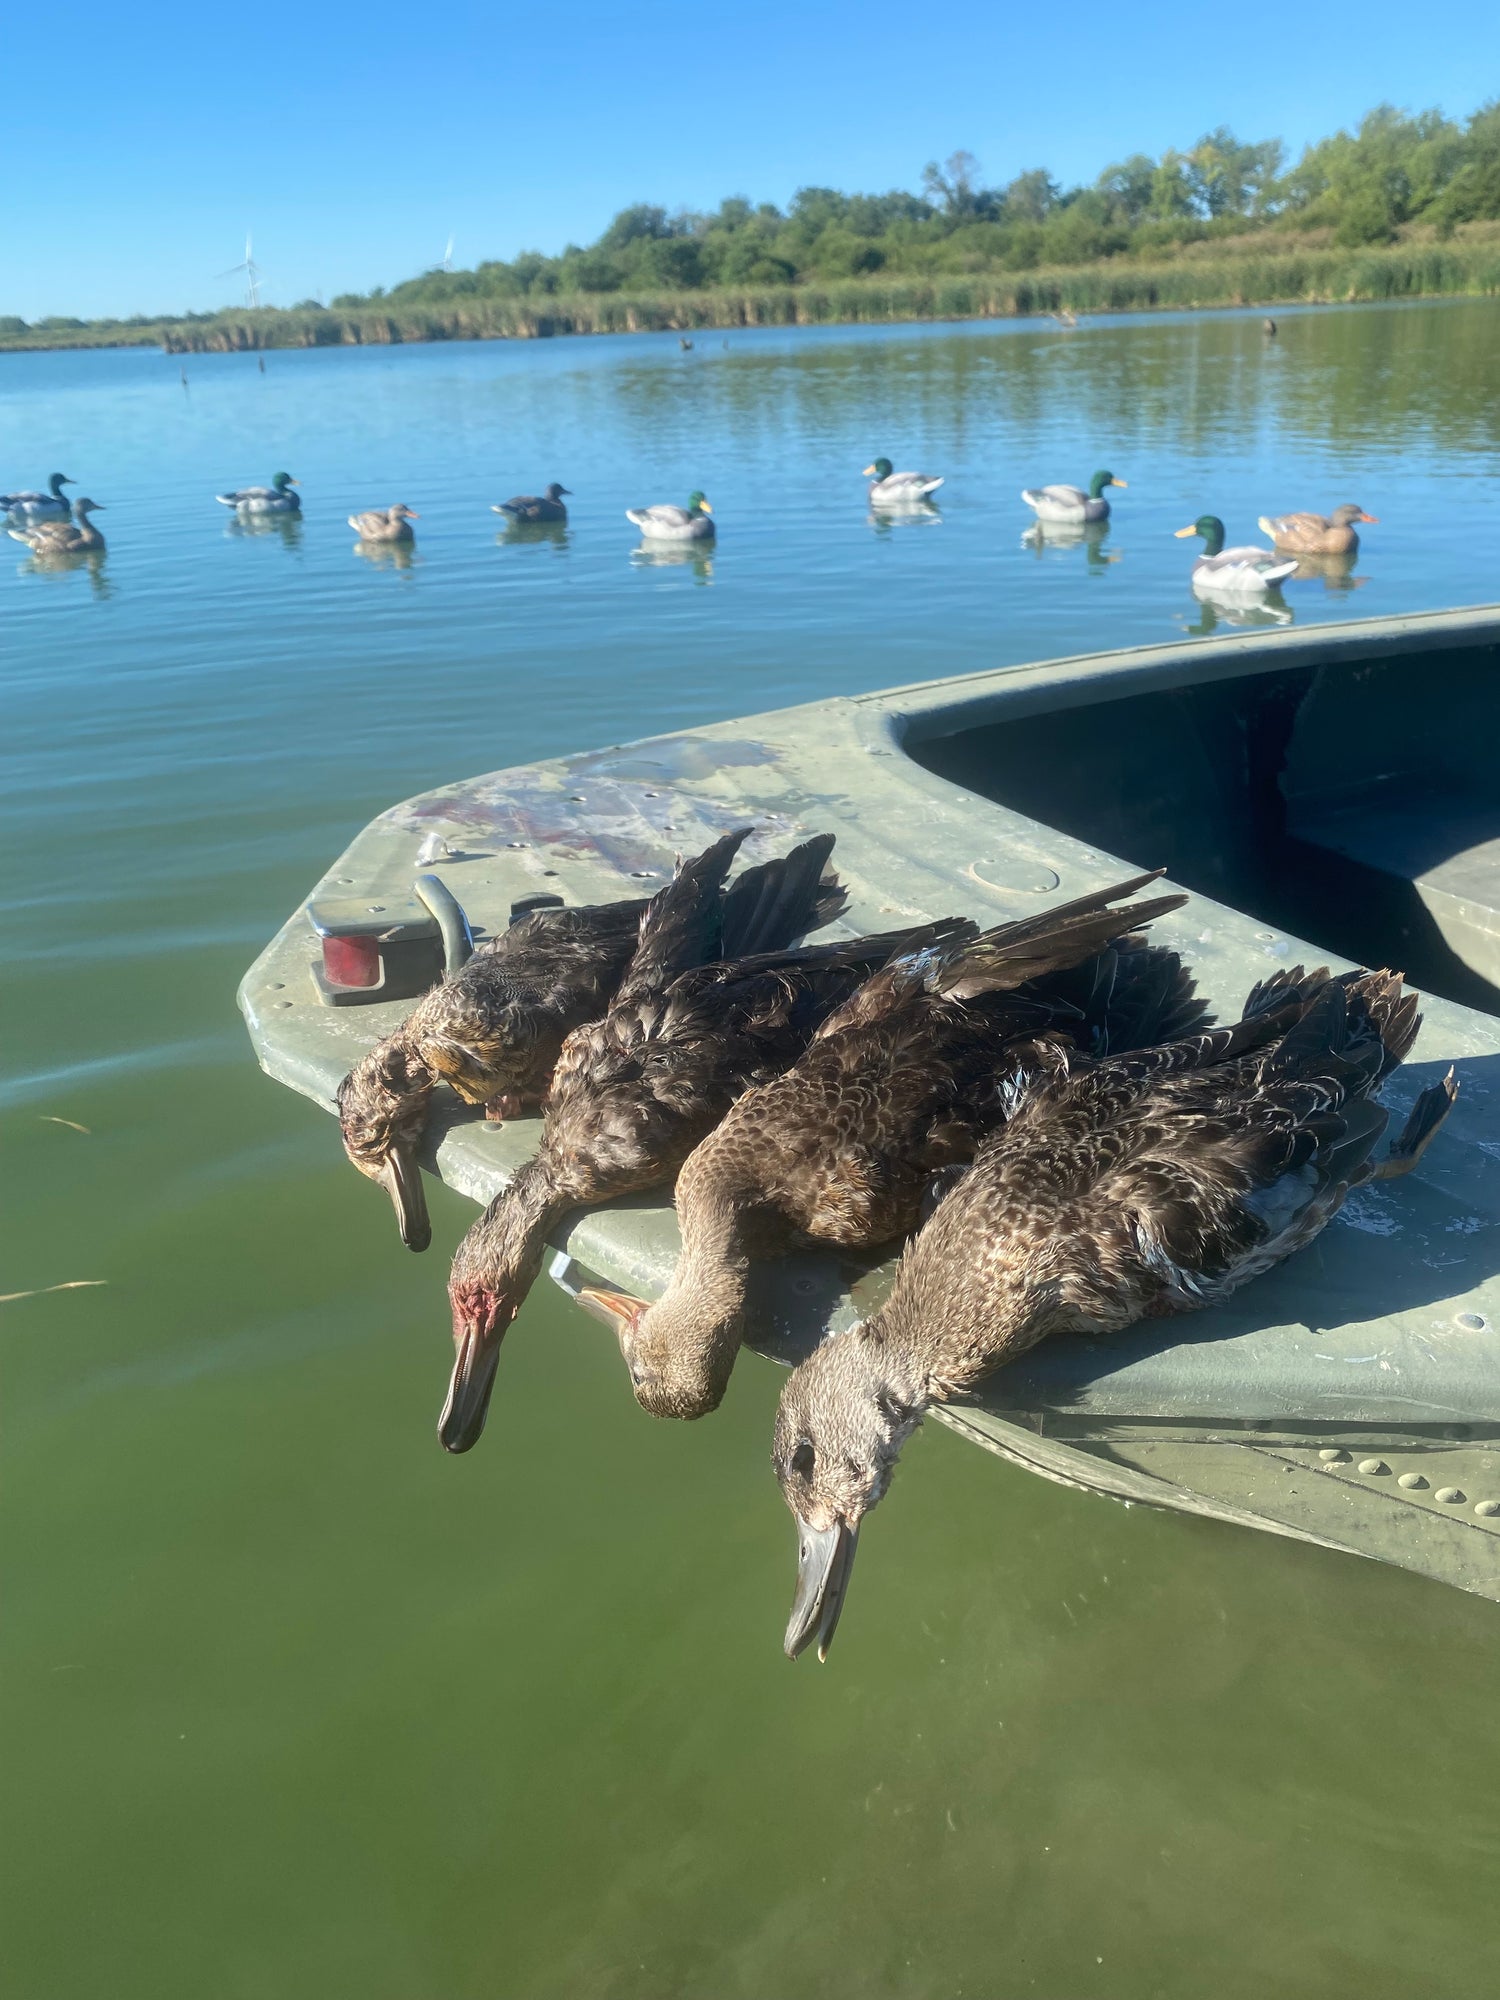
(401, 1178)
(825, 1557)
(1181, 534)
(618, 1310)
(1373, 519)
(868, 473)
(461, 1424)
(1121, 482)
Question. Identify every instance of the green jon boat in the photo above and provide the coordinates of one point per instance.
(1340, 785)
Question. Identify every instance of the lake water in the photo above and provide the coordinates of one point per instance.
(296, 1706)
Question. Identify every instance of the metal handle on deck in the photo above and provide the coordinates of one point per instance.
(458, 939)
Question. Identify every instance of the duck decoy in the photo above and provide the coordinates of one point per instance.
(898, 489)
(546, 506)
(1240, 572)
(32, 506)
(492, 1030)
(899, 1084)
(277, 498)
(1070, 505)
(675, 524)
(1316, 534)
(685, 344)
(385, 524)
(77, 537)
(1268, 327)
(1151, 1183)
(691, 1026)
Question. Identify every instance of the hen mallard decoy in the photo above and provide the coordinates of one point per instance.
(32, 506)
(385, 524)
(634, 1092)
(1316, 534)
(1241, 572)
(899, 1084)
(77, 537)
(1070, 505)
(546, 506)
(492, 1030)
(675, 524)
(1148, 1184)
(890, 488)
(277, 498)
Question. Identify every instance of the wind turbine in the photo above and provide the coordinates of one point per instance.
(252, 277)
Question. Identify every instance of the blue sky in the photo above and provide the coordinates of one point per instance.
(143, 143)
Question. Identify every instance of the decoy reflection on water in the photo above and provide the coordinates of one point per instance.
(1238, 613)
(530, 508)
(1070, 505)
(899, 1084)
(75, 537)
(385, 524)
(696, 556)
(1335, 573)
(675, 524)
(30, 506)
(1317, 534)
(492, 1031)
(277, 498)
(1146, 1184)
(898, 489)
(1246, 572)
(1043, 537)
(284, 528)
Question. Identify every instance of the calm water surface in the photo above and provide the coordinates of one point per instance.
(294, 1705)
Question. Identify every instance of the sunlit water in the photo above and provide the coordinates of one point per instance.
(296, 1706)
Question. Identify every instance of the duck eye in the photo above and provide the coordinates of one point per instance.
(804, 1460)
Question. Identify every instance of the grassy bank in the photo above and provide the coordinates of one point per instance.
(1265, 276)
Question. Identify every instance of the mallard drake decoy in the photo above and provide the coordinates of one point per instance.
(32, 506)
(546, 506)
(897, 1085)
(1146, 1184)
(385, 524)
(1070, 504)
(898, 489)
(277, 498)
(492, 1030)
(634, 1092)
(1316, 534)
(1242, 572)
(78, 537)
(675, 524)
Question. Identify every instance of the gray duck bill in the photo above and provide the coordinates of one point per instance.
(401, 1178)
(825, 1557)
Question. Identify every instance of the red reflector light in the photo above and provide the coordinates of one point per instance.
(351, 961)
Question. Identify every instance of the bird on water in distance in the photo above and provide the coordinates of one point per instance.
(1238, 572)
(666, 523)
(492, 1031)
(1317, 534)
(897, 1085)
(385, 524)
(546, 506)
(75, 537)
(890, 488)
(33, 506)
(1145, 1184)
(715, 999)
(1069, 505)
(277, 498)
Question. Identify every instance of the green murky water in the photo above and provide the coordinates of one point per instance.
(295, 1706)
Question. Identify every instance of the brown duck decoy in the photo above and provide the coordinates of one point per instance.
(1316, 534)
(899, 1084)
(1150, 1183)
(386, 524)
(635, 1092)
(492, 1030)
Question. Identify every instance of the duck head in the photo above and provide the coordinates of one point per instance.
(401, 512)
(1210, 527)
(494, 1268)
(680, 1352)
(556, 492)
(282, 481)
(840, 1427)
(83, 508)
(1102, 479)
(1346, 516)
(697, 504)
(881, 468)
(382, 1106)
(57, 482)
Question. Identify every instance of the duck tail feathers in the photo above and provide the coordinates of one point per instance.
(777, 902)
(1057, 939)
(1143, 994)
(681, 924)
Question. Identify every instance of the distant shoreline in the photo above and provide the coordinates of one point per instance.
(1269, 278)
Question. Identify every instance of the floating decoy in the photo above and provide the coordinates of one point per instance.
(277, 498)
(690, 1028)
(31, 506)
(1268, 326)
(675, 524)
(1146, 1184)
(385, 524)
(901, 1083)
(492, 1030)
(1241, 572)
(1070, 505)
(898, 489)
(546, 506)
(685, 344)
(1316, 534)
(78, 537)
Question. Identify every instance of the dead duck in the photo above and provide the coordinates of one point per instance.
(900, 1083)
(492, 1030)
(31, 506)
(1151, 1183)
(1316, 534)
(546, 506)
(634, 1092)
(78, 537)
(385, 524)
